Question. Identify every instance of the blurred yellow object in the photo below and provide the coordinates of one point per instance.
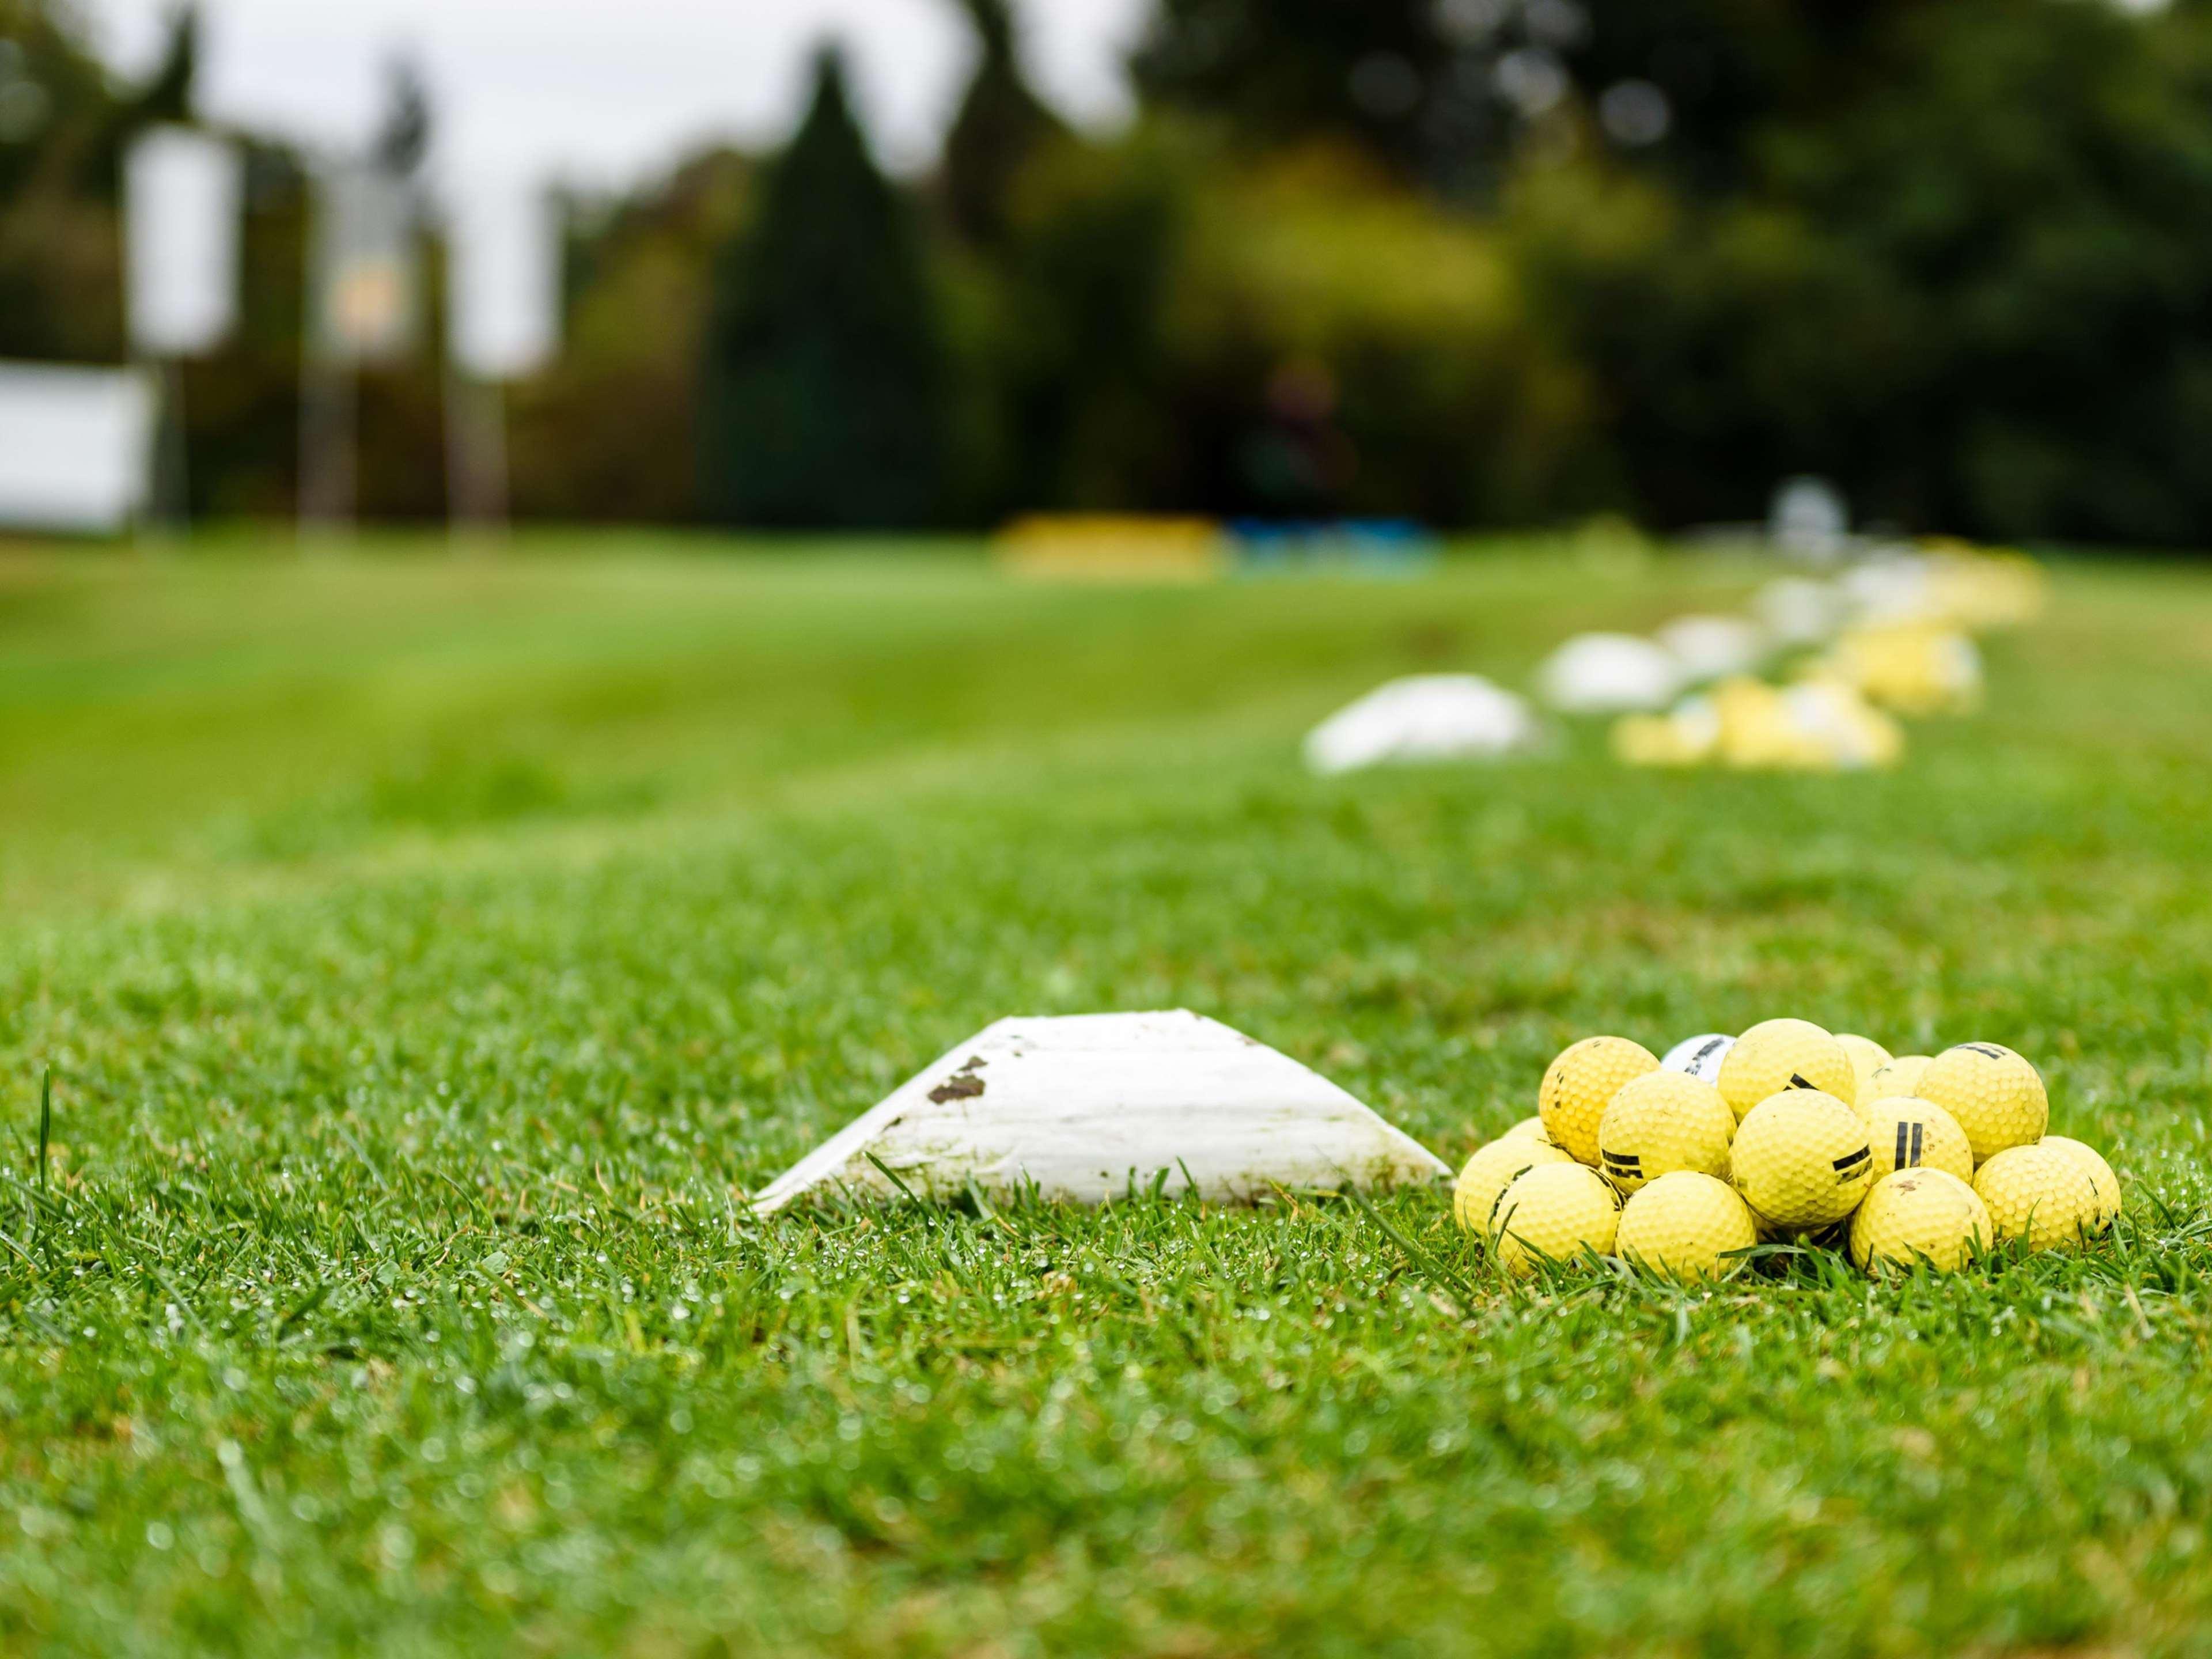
(1854, 735)
(1981, 590)
(1659, 740)
(1075, 548)
(1913, 668)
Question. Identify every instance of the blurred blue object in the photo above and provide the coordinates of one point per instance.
(1364, 547)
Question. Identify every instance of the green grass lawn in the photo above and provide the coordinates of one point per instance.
(430, 956)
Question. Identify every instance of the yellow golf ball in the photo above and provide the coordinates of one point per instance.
(2043, 1195)
(1530, 1128)
(1490, 1171)
(1683, 1225)
(1801, 1159)
(2100, 1176)
(1582, 1083)
(1661, 1122)
(1552, 1214)
(1996, 1097)
(1916, 1215)
(1785, 1053)
(1900, 1078)
(1867, 1057)
(1905, 1133)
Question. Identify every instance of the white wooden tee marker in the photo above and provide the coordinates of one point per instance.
(1082, 1107)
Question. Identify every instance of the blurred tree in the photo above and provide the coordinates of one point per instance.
(168, 95)
(610, 431)
(1380, 73)
(1002, 124)
(1978, 291)
(403, 134)
(1080, 362)
(1692, 83)
(824, 389)
(60, 266)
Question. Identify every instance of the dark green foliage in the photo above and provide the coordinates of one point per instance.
(168, 95)
(1728, 68)
(822, 390)
(610, 432)
(1375, 72)
(62, 130)
(404, 133)
(1000, 125)
(1088, 377)
(1979, 292)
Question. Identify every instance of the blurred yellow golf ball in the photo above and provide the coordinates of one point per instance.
(1683, 1225)
(1906, 1133)
(1582, 1083)
(1785, 1053)
(1490, 1171)
(1996, 1096)
(1914, 1215)
(1801, 1159)
(2100, 1176)
(1555, 1212)
(1867, 1058)
(1661, 1122)
(1531, 1128)
(2043, 1195)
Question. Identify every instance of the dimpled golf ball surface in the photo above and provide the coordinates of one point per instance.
(1699, 1057)
(1683, 1225)
(1906, 1133)
(1914, 1215)
(1785, 1053)
(1996, 1096)
(1555, 1212)
(2041, 1194)
(1661, 1122)
(1582, 1083)
(1801, 1159)
(1867, 1057)
(1490, 1171)
(2100, 1176)
(1900, 1078)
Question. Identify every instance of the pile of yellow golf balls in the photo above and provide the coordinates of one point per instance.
(1678, 1166)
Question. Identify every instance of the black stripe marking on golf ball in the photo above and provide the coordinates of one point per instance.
(1796, 1082)
(1631, 1162)
(1986, 1050)
(1918, 1130)
(1844, 1166)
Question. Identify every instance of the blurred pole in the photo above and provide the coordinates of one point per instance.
(362, 308)
(183, 210)
(170, 513)
(328, 417)
(503, 318)
(476, 460)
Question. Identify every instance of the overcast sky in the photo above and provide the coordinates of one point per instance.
(605, 91)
